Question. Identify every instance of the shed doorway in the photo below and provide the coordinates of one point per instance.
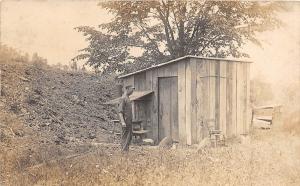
(168, 108)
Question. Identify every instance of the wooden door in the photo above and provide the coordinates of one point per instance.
(168, 108)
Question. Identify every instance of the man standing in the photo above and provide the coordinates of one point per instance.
(125, 114)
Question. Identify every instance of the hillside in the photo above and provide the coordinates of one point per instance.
(46, 113)
(53, 102)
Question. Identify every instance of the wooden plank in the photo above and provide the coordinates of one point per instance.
(164, 108)
(240, 99)
(222, 98)
(193, 68)
(149, 80)
(155, 106)
(149, 105)
(234, 98)
(247, 98)
(181, 101)
(174, 69)
(161, 71)
(249, 111)
(244, 97)
(188, 88)
(128, 81)
(174, 108)
(217, 94)
(140, 81)
(231, 97)
(139, 111)
(202, 101)
(212, 94)
(199, 97)
(168, 70)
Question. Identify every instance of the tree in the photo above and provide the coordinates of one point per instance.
(165, 30)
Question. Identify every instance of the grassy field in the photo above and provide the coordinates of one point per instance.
(270, 158)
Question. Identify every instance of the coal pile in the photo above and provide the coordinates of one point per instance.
(63, 107)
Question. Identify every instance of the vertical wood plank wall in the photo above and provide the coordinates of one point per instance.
(231, 100)
(202, 98)
(188, 102)
(211, 120)
(140, 85)
(154, 109)
(248, 104)
(240, 99)
(149, 81)
(208, 90)
(181, 101)
(223, 97)
(193, 98)
(149, 86)
(128, 81)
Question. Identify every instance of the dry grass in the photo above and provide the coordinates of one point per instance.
(272, 158)
(292, 123)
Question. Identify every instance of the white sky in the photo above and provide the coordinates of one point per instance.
(46, 27)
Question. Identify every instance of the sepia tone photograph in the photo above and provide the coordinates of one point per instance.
(153, 92)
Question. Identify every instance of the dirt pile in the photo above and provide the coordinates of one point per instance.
(62, 107)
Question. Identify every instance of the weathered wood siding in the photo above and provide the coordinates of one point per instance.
(213, 92)
(231, 79)
(223, 97)
(149, 81)
(182, 101)
(202, 98)
(139, 107)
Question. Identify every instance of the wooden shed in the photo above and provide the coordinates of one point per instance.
(181, 97)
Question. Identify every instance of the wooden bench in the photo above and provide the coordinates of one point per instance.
(137, 129)
(270, 114)
(140, 133)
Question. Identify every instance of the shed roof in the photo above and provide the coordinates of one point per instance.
(181, 58)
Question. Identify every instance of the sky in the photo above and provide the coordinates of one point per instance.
(47, 27)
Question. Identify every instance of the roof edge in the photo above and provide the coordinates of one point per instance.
(181, 58)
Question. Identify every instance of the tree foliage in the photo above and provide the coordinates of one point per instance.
(162, 30)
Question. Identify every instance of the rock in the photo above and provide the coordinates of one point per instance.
(245, 139)
(166, 143)
(174, 146)
(4, 136)
(204, 143)
(24, 79)
(19, 133)
(148, 141)
(15, 108)
(92, 135)
(38, 91)
(44, 124)
(27, 72)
